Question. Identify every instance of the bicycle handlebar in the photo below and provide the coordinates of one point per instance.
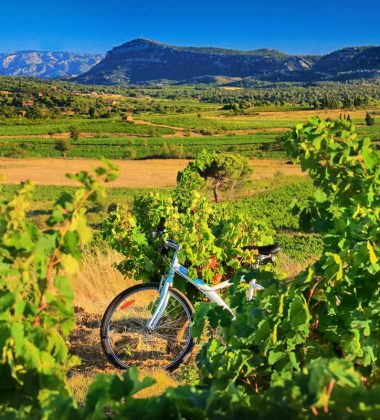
(160, 231)
(161, 225)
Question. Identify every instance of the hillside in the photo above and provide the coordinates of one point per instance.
(349, 63)
(46, 64)
(142, 60)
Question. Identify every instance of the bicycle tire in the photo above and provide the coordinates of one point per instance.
(116, 303)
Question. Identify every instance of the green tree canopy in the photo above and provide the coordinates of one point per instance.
(63, 145)
(223, 171)
(369, 119)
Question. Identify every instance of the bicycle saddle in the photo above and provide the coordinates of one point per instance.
(264, 250)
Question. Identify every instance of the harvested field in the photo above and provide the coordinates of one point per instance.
(297, 115)
(155, 173)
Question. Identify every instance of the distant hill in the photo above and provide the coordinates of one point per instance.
(46, 64)
(349, 63)
(143, 61)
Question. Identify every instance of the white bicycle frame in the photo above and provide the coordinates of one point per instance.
(209, 291)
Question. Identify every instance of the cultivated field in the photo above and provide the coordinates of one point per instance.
(151, 134)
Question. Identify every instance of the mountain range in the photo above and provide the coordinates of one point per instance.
(46, 64)
(143, 61)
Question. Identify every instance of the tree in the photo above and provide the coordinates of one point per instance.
(74, 133)
(34, 112)
(369, 119)
(63, 145)
(224, 171)
(92, 113)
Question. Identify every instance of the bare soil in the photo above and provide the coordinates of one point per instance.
(84, 342)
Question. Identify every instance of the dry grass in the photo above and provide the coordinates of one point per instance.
(155, 173)
(96, 284)
(98, 281)
(267, 168)
(163, 380)
(292, 267)
(80, 382)
(299, 115)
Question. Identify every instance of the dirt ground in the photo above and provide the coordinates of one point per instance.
(84, 342)
(155, 173)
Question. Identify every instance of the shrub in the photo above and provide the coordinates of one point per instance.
(36, 299)
(63, 145)
(205, 233)
(74, 133)
(130, 153)
(369, 119)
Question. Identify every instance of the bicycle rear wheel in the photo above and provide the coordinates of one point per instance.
(127, 341)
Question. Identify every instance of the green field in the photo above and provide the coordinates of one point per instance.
(252, 145)
(268, 200)
(27, 127)
(212, 122)
(170, 121)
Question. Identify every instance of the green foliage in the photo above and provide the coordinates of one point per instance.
(63, 145)
(299, 349)
(100, 144)
(211, 238)
(36, 300)
(346, 204)
(369, 119)
(59, 97)
(205, 114)
(324, 388)
(110, 393)
(275, 206)
(224, 171)
(74, 133)
(300, 246)
(325, 324)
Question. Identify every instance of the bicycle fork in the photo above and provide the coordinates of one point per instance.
(162, 303)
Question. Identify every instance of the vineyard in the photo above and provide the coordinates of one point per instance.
(306, 346)
(55, 119)
(263, 145)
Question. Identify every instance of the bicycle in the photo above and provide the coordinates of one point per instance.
(150, 323)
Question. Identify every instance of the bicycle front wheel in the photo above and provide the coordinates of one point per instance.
(127, 341)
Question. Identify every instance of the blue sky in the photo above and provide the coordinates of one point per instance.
(96, 26)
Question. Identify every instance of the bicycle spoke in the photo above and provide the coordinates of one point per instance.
(133, 343)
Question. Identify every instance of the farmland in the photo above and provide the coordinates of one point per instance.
(151, 134)
(180, 136)
(167, 122)
(147, 173)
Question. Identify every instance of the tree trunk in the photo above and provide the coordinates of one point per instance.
(216, 192)
(232, 190)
